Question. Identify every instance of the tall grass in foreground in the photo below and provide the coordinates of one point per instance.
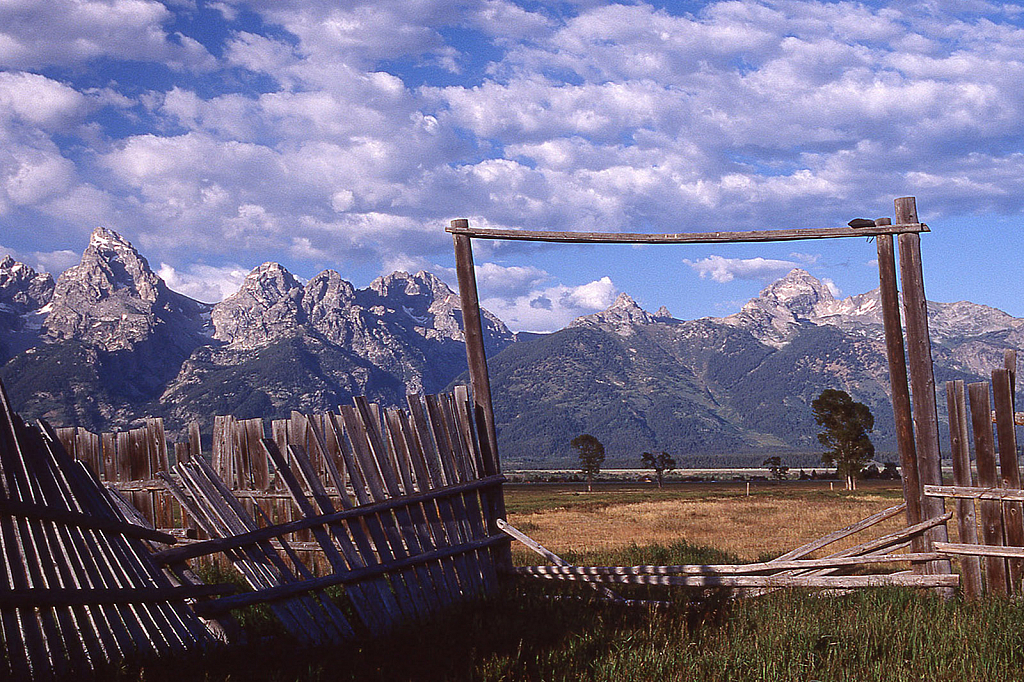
(523, 634)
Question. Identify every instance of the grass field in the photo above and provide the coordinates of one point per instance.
(772, 519)
(526, 634)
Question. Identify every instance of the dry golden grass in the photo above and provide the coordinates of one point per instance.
(750, 527)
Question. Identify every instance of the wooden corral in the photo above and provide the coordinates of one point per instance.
(351, 522)
(913, 391)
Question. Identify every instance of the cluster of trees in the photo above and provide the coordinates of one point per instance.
(590, 452)
(845, 423)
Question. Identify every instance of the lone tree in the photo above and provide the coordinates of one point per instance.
(846, 423)
(660, 463)
(775, 468)
(591, 454)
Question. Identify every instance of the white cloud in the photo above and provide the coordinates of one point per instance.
(551, 308)
(722, 270)
(66, 32)
(204, 282)
(53, 262)
(508, 281)
(602, 116)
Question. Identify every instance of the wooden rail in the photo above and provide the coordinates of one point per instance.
(793, 234)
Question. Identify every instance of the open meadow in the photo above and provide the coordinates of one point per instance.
(555, 632)
(773, 518)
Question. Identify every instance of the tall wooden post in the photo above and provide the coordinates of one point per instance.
(479, 380)
(912, 491)
(922, 377)
(1006, 433)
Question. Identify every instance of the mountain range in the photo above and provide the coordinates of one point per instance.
(108, 343)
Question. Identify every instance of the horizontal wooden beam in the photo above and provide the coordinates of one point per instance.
(57, 597)
(979, 550)
(736, 569)
(287, 590)
(197, 549)
(79, 520)
(974, 493)
(687, 237)
(764, 581)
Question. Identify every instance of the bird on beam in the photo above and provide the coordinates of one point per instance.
(861, 222)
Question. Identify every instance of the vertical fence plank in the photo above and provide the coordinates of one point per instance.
(991, 510)
(967, 523)
(1013, 521)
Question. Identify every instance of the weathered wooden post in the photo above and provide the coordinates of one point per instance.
(895, 352)
(1013, 521)
(991, 510)
(922, 377)
(966, 516)
(479, 380)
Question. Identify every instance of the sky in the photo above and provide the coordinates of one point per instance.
(346, 135)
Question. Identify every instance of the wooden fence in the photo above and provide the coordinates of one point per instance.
(78, 584)
(399, 507)
(989, 507)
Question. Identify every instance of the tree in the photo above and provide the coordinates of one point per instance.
(846, 423)
(775, 468)
(591, 454)
(660, 463)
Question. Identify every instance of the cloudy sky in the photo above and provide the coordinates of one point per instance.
(346, 135)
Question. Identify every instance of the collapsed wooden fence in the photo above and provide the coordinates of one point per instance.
(401, 508)
(79, 584)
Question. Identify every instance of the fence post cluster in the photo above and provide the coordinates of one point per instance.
(989, 510)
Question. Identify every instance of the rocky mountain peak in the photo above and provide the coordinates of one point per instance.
(663, 313)
(800, 292)
(114, 300)
(22, 289)
(772, 316)
(110, 263)
(269, 283)
(619, 318)
(266, 308)
(416, 292)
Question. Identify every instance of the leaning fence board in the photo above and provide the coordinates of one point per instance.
(285, 591)
(835, 536)
(747, 581)
(82, 590)
(522, 537)
(734, 569)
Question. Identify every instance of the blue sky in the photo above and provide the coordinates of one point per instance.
(345, 135)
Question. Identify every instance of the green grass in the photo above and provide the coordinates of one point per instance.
(525, 634)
